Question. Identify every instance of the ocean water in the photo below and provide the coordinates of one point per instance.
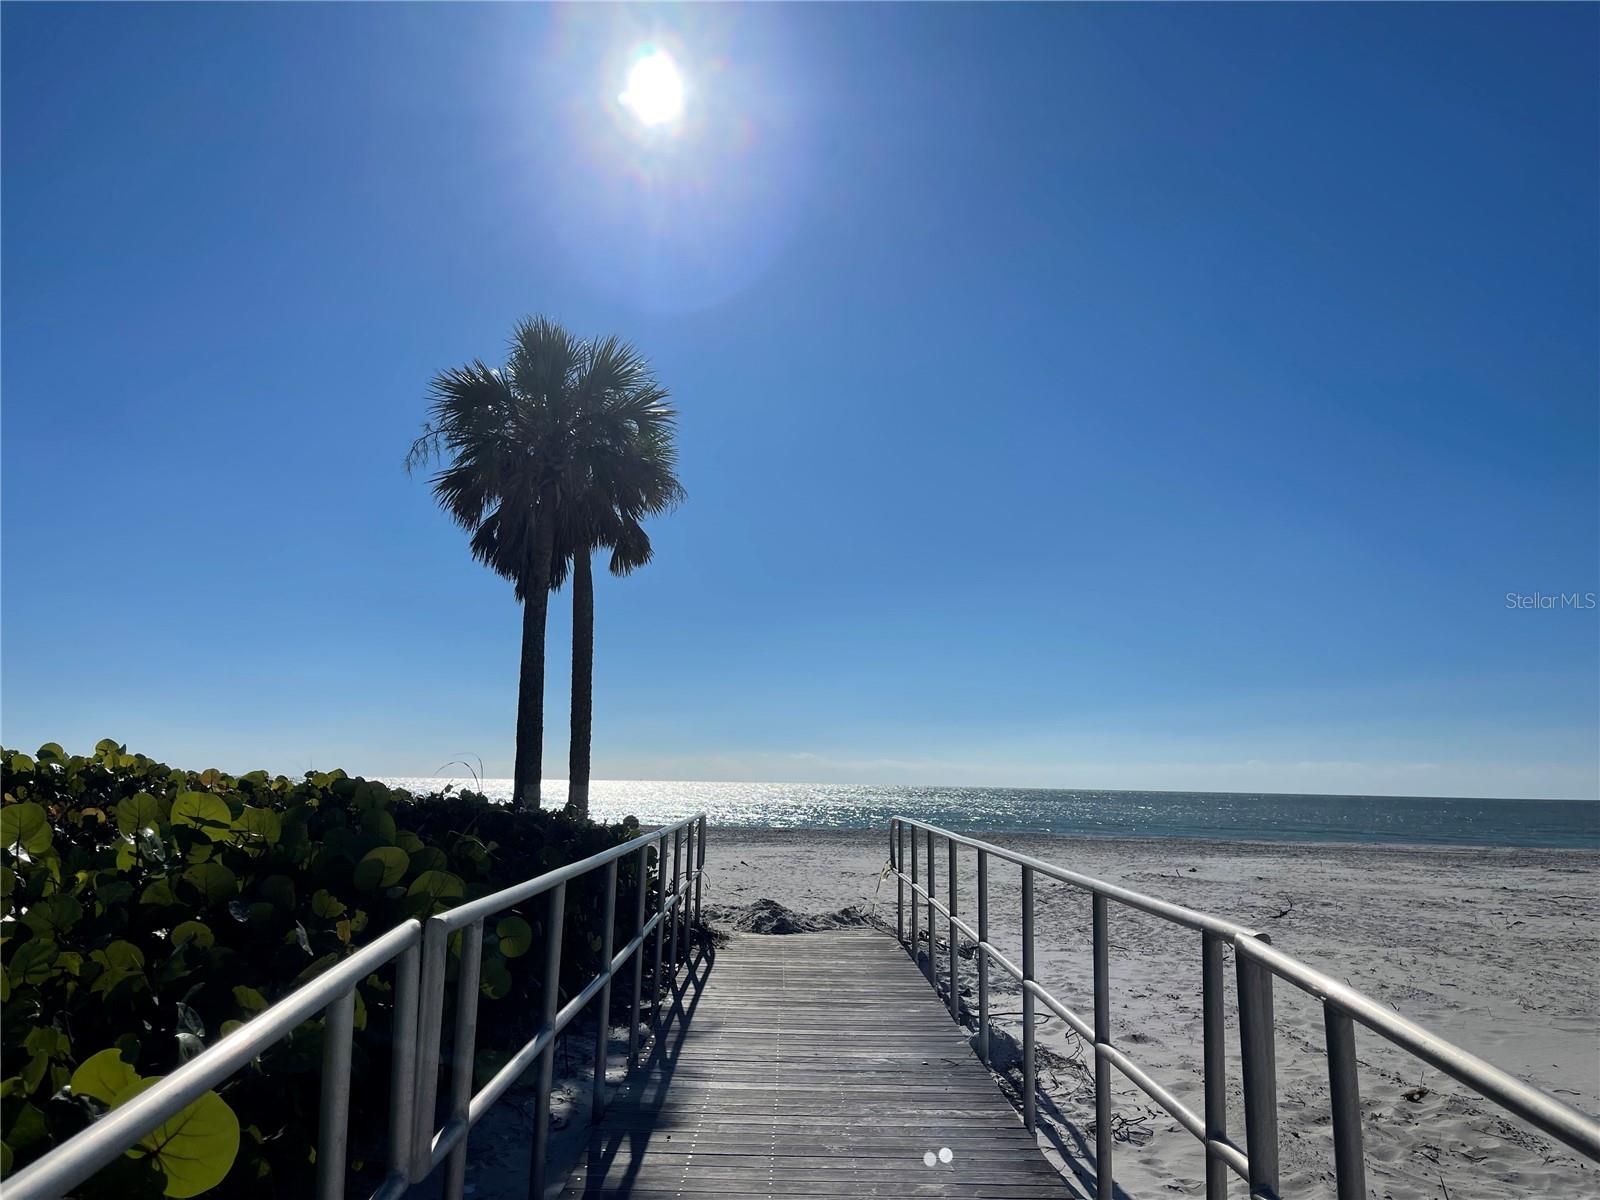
(1222, 815)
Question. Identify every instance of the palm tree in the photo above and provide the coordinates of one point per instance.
(513, 442)
(623, 490)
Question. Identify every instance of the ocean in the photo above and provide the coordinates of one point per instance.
(1231, 816)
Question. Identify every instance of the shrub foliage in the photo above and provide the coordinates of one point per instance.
(148, 911)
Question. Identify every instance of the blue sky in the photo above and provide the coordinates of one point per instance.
(1071, 396)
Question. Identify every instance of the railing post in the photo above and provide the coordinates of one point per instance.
(661, 925)
(1345, 1093)
(699, 872)
(547, 1060)
(983, 957)
(638, 960)
(955, 958)
(933, 874)
(430, 1027)
(403, 1063)
(677, 897)
(914, 907)
(1260, 1074)
(1029, 1102)
(1214, 1034)
(1104, 1141)
(333, 1120)
(602, 1023)
(462, 1049)
(897, 851)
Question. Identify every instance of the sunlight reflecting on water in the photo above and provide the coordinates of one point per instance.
(1240, 816)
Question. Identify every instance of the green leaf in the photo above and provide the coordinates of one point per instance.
(438, 886)
(104, 1076)
(382, 867)
(249, 999)
(26, 826)
(212, 880)
(494, 979)
(51, 752)
(193, 931)
(515, 936)
(261, 824)
(196, 1148)
(141, 811)
(120, 956)
(53, 915)
(159, 893)
(379, 823)
(326, 905)
(205, 812)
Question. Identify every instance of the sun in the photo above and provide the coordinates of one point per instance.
(655, 88)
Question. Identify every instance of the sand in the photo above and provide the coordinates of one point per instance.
(1496, 950)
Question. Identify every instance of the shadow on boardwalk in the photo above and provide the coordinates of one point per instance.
(812, 1064)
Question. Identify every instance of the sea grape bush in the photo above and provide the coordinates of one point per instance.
(148, 911)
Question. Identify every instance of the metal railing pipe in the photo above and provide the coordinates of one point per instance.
(462, 1048)
(1104, 1139)
(1344, 1092)
(487, 906)
(1214, 1030)
(914, 909)
(955, 956)
(602, 1014)
(554, 922)
(642, 886)
(983, 957)
(333, 1115)
(659, 921)
(1029, 1100)
(1258, 1056)
(1561, 1121)
(102, 1143)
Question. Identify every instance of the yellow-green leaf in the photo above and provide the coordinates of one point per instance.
(213, 881)
(249, 999)
(440, 885)
(205, 812)
(142, 811)
(25, 825)
(105, 1076)
(195, 1149)
(382, 867)
(515, 936)
(193, 931)
(261, 824)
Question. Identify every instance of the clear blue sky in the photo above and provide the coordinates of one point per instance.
(1076, 396)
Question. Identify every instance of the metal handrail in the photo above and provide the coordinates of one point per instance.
(448, 1143)
(1256, 961)
(415, 1147)
(331, 993)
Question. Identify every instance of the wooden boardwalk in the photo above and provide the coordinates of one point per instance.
(817, 1064)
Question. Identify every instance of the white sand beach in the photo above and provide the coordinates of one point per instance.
(1495, 950)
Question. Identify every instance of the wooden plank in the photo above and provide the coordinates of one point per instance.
(811, 1065)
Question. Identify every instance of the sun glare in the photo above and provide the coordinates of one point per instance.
(655, 89)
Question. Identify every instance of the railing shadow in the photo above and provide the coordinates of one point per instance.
(631, 1117)
(1074, 1142)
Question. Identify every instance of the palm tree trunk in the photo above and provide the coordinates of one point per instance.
(582, 681)
(526, 784)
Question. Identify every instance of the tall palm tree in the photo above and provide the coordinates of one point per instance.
(512, 442)
(623, 490)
